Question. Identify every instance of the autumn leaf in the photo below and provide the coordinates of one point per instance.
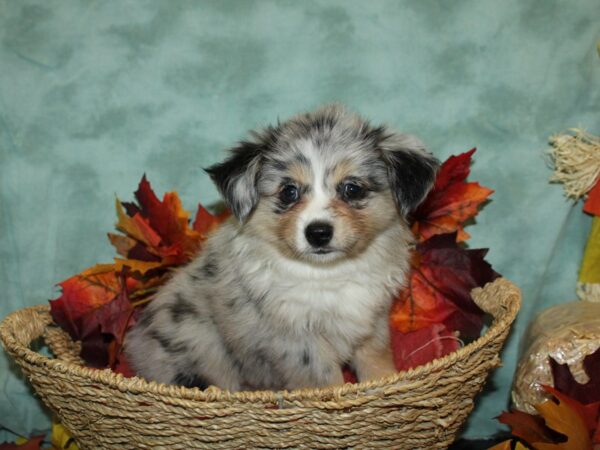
(451, 202)
(349, 374)
(508, 445)
(439, 288)
(562, 424)
(33, 443)
(169, 220)
(418, 347)
(529, 427)
(80, 295)
(565, 382)
(558, 427)
(136, 227)
(592, 203)
(206, 222)
(560, 417)
(98, 305)
(61, 438)
(587, 412)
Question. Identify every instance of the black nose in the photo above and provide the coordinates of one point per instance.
(318, 234)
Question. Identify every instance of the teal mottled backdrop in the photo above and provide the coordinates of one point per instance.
(94, 94)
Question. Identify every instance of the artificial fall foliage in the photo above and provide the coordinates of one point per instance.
(34, 443)
(101, 303)
(592, 203)
(60, 439)
(570, 420)
(435, 313)
(429, 318)
(452, 202)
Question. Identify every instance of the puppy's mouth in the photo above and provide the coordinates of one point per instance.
(322, 251)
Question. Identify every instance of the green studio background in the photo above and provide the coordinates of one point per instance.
(93, 94)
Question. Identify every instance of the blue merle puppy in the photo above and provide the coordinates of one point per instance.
(301, 280)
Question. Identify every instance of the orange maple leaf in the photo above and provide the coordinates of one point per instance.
(562, 424)
(588, 413)
(451, 202)
(563, 419)
(87, 291)
(529, 427)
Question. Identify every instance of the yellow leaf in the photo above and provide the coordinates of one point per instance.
(561, 417)
(506, 445)
(61, 438)
(590, 266)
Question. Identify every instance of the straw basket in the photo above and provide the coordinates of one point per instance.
(422, 408)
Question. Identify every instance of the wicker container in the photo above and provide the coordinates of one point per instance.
(422, 408)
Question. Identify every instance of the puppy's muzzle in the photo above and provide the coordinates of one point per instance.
(319, 234)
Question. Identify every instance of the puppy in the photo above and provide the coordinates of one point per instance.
(301, 280)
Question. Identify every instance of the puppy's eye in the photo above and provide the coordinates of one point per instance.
(352, 191)
(289, 194)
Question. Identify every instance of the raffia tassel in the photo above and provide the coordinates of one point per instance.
(576, 160)
(589, 292)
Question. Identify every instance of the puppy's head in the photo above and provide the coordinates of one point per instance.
(321, 186)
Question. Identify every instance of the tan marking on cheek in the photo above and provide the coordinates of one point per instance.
(358, 227)
(286, 228)
(277, 229)
(352, 223)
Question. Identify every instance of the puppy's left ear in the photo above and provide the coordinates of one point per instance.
(411, 169)
(237, 176)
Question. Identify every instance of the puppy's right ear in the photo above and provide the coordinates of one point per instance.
(237, 176)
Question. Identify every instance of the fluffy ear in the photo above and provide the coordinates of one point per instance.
(411, 169)
(236, 178)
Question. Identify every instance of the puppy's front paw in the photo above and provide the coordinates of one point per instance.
(371, 364)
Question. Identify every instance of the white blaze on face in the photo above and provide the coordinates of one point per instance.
(316, 208)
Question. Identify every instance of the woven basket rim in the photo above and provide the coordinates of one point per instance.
(502, 318)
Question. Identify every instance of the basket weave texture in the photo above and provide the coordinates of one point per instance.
(422, 408)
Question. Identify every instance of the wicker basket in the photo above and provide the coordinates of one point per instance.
(422, 408)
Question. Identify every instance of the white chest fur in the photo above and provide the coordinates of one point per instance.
(340, 302)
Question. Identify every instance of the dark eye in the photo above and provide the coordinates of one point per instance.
(289, 194)
(352, 191)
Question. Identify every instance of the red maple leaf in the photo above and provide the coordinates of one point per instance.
(418, 347)
(206, 222)
(592, 203)
(439, 288)
(451, 202)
